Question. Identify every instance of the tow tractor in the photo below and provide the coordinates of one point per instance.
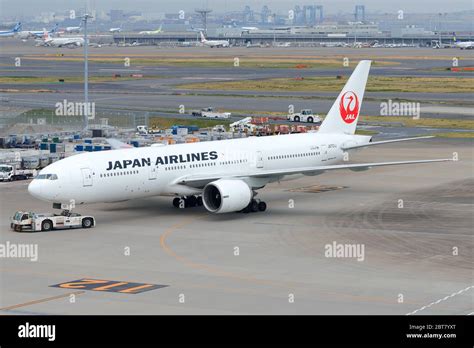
(306, 115)
(34, 222)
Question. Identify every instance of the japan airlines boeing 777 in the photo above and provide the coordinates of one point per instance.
(222, 175)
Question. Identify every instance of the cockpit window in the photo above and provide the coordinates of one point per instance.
(47, 176)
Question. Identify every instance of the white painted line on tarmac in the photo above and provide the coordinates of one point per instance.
(441, 300)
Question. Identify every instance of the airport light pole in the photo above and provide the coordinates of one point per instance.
(86, 72)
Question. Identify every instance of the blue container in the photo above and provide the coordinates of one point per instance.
(135, 143)
(98, 148)
(88, 141)
(52, 148)
(44, 146)
(107, 147)
(88, 148)
(79, 147)
(77, 136)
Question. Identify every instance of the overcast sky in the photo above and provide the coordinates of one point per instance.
(30, 7)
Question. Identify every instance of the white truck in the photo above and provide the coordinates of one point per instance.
(144, 130)
(210, 113)
(33, 222)
(305, 115)
(10, 173)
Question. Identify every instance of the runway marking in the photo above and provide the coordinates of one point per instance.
(41, 300)
(441, 300)
(109, 286)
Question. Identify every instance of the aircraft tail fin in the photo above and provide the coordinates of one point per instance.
(344, 113)
(46, 36)
(17, 27)
(203, 38)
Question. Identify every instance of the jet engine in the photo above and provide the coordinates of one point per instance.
(226, 195)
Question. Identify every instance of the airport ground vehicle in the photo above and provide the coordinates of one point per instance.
(210, 113)
(306, 115)
(10, 173)
(30, 221)
(144, 130)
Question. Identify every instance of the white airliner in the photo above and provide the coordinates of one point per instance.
(26, 34)
(115, 30)
(62, 41)
(249, 28)
(152, 32)
(223, 175)
(465, 45)
(214, 43)
(74, 29)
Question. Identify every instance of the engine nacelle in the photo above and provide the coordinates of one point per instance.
(226, 195)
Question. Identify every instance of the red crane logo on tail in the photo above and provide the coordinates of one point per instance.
(349, 107)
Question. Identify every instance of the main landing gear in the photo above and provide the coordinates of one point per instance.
(254, 206)
(187, 202)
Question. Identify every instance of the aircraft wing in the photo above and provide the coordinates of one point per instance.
(201, 181)
(350, 147)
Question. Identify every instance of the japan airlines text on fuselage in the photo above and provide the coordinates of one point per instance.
(225, 173)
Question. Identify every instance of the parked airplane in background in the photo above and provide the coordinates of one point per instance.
(196, 30)
(9, 33)
(214, 43)
(465, 45)
(249, 28)
(74, 29)
(115, 30)
(147, 32)
(26, 34)
(62, 41)
(222, 175)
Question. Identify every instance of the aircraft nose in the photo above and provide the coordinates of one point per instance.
(34, 188)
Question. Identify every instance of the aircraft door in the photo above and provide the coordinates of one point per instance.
(324, 152)
(259, 159)
(153, 173)
(86, 177)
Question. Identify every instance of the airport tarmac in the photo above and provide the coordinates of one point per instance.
(409, 263)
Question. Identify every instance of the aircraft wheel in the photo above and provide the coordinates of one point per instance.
(297, 118)
(191, 201)
(262, 206)
(253, 206)
(176, 202)
(199, 201)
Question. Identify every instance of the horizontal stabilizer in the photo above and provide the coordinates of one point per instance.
(351, 147)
